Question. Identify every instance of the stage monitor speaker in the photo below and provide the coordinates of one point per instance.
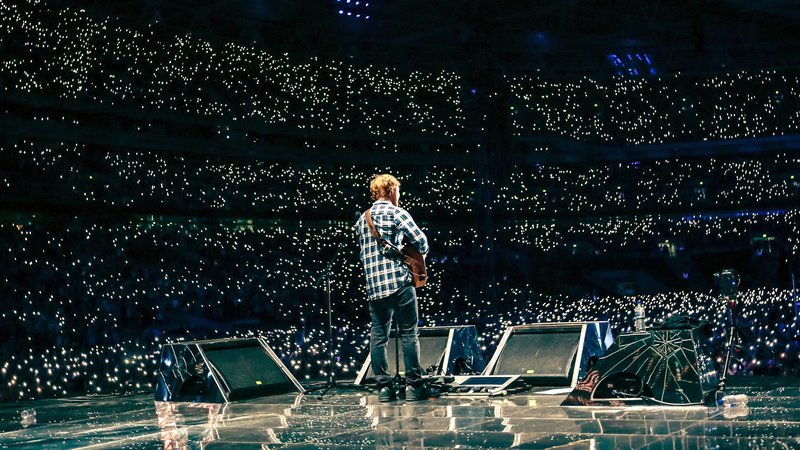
(221, 371)
(668, 366)
(550, 354)
(451, 350)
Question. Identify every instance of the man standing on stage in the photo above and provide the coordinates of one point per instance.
(390, 288)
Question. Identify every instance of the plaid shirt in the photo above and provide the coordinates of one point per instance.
(386, 274)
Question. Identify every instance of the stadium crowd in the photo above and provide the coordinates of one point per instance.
(92, 296)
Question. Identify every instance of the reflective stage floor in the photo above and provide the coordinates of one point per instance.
(348, 419)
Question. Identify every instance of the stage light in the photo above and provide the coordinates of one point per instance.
(631, 64)
(354, 9)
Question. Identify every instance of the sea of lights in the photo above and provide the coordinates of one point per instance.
(89, 300)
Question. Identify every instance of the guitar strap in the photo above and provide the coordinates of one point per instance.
(372, 229)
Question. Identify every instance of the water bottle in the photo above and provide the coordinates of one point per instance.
(733, 401)
(734, 406)
(28, 417)
(639, 317)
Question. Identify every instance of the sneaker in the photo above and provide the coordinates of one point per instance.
(421, 392)
(387, 394)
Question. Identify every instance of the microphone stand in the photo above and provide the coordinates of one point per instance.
(397, 378)
(331, 382)
(729, 347)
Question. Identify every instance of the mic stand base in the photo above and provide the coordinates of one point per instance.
(332, 384)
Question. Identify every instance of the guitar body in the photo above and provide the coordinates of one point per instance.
(416, 264)
(412, 257)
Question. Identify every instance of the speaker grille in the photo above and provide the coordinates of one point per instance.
(248, 370)
(539, 353)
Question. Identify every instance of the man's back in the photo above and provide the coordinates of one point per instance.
(386, 273)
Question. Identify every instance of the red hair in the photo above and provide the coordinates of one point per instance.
(382, 185)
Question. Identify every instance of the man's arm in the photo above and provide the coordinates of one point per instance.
(406, 224)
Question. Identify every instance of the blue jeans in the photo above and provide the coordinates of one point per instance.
(401, 304)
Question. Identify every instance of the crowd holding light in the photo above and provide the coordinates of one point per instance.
(101, 176)
(658, 109)
(66, 53)
(104, 297)
(69, 54)
(188, 184)
(91, 299)
(657, 185)
(91, 302)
